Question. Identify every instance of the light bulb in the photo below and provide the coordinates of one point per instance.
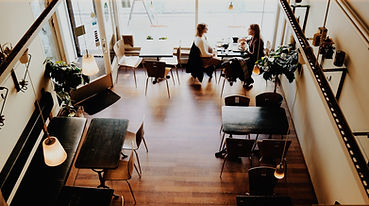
(54, 153)
(279, 171)
(256, 70)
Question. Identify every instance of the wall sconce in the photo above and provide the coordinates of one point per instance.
(3, 98)
(26, 60)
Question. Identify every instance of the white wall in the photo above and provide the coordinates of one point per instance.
(19, 106)
(331, 170)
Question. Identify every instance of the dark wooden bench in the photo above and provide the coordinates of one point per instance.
(41, 185)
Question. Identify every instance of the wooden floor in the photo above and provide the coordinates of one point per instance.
(182, 135)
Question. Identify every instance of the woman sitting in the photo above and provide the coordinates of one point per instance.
(255, 51)
(209, 61)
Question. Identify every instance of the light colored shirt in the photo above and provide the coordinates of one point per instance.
(203, 45)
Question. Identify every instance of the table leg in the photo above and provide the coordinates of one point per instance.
(102, 181)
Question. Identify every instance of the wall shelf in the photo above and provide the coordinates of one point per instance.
(335, 74)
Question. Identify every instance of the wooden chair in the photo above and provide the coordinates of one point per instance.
(131, 62)
(262, 180)
(156, 70)
(269, 99)
(173, 62)
(271, 150)
(234, 100)
(132, 141)
(238, 148)
(123, 172)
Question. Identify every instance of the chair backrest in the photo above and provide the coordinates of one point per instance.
(119, 48)
(155, 69)
(239, 147)
(269, 99)
(140, 134)
(272, 149)
(237, 100)
(128, 40)
(131, 164)
(262, 180)
(179, 54)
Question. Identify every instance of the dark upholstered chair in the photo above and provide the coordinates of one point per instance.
(269, 99)
(238, 148)
(262, 180)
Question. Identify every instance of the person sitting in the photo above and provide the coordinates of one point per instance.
(255, 51)
(209, 61)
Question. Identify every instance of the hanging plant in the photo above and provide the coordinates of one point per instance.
(66, 77)
(284, 60)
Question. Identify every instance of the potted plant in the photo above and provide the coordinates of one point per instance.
(66, 77)
(284, 60)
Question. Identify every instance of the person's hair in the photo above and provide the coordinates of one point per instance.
(200, 29)
(256, 29)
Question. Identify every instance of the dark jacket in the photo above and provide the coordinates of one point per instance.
(194, 64)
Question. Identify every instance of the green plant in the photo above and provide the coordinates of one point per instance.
(66, 77)
(283, 60)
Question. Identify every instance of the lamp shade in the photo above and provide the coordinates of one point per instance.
(256, 70)
(89, 65)
(279, 171)
(54, 153)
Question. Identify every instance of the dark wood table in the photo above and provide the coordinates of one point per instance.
(102, 147)
(156, 49)
(81, 196)
(254, 120)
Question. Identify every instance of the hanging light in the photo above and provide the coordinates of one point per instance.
(230, 7)
(256, 70)
(89, 65)
(54, 153)
(279, 171)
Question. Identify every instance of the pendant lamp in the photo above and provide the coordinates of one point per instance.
(230, 7)
(89, 65)
(54, 153)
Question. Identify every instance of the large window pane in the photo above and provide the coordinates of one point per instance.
(224, 23)
(172, 19)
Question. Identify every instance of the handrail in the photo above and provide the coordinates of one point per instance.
(344, 129)
(356, 21)
(25, 41)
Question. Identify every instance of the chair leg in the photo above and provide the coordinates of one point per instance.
(167, 88)
(221, 142)
(215, 75)
(116, 78)
(221, 171)
(139, 175)
(147, 150)
(221, 128)
(122, 200)
(134, 75)
(171, 74)
(220, 75)
(147, 80)
(177, 74)
(138, 161)
(130, 189)
(221, 93)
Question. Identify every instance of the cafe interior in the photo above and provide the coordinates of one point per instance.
(109, 102)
